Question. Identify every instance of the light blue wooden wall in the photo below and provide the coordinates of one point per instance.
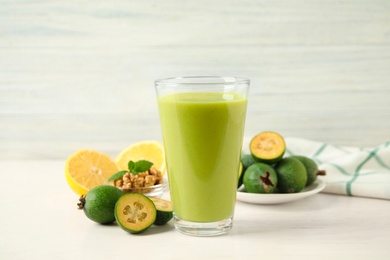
(79, 74)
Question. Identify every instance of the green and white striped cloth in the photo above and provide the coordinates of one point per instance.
(352, 171)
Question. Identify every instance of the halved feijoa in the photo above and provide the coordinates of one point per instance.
(260, 178)
(99, 203)
(291, 174)
(135, 212)
(267, 147)
(311, 166)
(164, 211)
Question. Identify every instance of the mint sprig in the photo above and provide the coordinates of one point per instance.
(134, 168)
(139, 166)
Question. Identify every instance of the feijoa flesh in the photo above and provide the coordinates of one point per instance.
(135, 212)
(164, 211)
(260, 178)
(291, 173)
(99, 203)
(311, 167)
(267, 147)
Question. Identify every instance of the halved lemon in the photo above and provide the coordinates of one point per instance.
(149, 150)
(86, 169)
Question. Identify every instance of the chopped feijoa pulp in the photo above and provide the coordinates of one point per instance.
(135, 212)
(164, 211)
(267, 147)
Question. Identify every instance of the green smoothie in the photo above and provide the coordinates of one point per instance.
(203, 134)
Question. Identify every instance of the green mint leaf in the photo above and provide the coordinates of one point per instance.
(139, 166)
(131, 165)
(117, 175)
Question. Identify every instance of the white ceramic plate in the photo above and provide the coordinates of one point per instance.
(279, 198)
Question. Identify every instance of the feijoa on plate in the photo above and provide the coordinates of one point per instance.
(311, 166)
(260, 178)
(247, 160)
(267, 147)
(291, 174)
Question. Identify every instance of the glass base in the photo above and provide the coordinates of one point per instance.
(203, 229)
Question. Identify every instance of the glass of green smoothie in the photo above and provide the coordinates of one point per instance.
(202, 121)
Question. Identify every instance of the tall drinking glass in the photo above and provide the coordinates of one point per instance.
(202, 121)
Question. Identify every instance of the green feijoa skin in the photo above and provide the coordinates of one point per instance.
(292, 177)
(260, 178)
(99, 203)
(247, 160)
(311, 167)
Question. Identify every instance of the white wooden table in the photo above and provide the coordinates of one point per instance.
(40, 220)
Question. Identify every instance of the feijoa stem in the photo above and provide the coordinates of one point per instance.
(321, 173)
(81, 204)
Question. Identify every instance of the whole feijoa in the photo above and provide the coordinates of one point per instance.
(99, 203)
(260, 178)
(292, 176)
(247, 160)
(311, 166)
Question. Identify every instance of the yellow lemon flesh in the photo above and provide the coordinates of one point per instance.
(148, 150)
(86, 169)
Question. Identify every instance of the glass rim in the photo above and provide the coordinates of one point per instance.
(201, 80)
